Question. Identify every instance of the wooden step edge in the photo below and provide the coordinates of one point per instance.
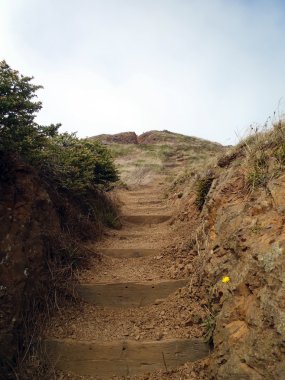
(128, 253)
(143, 202)
(137, 207)
(146, 219)
(149, 194)
(122, 357)
(128, 294)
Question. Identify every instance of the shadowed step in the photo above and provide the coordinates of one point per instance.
(130, 294)
(147, 210)
(150, 202)
(144, 193)
(143, 202)
(145, 219)
(129, 252)
(121, 358)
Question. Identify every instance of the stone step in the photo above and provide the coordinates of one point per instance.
(128, 294)
(145, 219)
(122, 358)
(127, 253)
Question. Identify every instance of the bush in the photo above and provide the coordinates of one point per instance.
(104, 169)
(69, 162)
(18, 130)
(76, 164)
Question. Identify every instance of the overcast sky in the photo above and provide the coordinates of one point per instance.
(206, 68)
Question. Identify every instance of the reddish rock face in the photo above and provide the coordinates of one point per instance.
(150, 137)
(249, 230)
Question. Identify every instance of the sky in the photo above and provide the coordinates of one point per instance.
(205, 68)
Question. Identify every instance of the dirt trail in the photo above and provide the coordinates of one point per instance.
(126, 323)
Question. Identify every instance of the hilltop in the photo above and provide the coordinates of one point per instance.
(149, 137)
(140, 158)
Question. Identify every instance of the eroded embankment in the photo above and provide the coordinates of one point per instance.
(240, 238)
(28, 218)
(41, 233)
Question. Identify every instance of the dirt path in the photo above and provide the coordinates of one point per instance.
(132, 317)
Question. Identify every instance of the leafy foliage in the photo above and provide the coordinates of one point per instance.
(69, 162)
(209, 325)
(76, 164)
(18, 130)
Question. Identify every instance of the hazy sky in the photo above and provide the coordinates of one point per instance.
(206, 68)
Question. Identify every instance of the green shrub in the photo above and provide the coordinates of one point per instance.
(209, 325)
(18, 130)
(69, 162)
(76, 164)
(104, 169)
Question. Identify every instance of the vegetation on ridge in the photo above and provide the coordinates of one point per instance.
(74, 163)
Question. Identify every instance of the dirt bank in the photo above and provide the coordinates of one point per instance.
(27, 219)
(42, 232)
(240, 234)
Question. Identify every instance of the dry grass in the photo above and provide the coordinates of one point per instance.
(171, 155)
(264, 151)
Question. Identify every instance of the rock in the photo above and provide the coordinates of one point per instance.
(159, 336)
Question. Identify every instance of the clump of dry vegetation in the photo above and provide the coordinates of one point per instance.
(262, 154)
(265, 151)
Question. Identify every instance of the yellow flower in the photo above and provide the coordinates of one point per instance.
(225, 279)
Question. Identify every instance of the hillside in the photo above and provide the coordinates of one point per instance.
(154, 153)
